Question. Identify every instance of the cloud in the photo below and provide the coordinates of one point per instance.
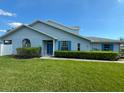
(14, 24)
(5, 13)
(120, 1)
(2, 30)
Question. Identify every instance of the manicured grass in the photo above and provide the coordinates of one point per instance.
(50, 75)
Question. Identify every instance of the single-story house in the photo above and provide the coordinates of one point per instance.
(52, 36)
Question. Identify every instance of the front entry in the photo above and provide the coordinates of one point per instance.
(49, 48)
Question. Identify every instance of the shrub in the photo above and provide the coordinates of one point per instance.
(122, 51)
(98, 55)
(28, 52)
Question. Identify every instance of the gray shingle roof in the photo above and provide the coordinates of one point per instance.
(102, 40)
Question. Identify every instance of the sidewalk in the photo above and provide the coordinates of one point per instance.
(86, 60)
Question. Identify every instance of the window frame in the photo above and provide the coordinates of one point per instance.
(64, 45)
(78, 46)
(24, 41)
(9, 42)
(107, 47)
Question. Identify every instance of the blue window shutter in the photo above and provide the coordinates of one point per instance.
(69, 45)
(102, 46)
(112, 47)
(59, 45)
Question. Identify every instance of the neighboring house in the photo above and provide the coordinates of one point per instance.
(53, 36)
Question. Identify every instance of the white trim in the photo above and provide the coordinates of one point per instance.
(53, 47)
(42, 48)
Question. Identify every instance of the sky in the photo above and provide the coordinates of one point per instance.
(100, 18)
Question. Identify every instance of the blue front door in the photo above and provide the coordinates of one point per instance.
(49, 47)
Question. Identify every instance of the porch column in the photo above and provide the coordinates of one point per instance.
(42, 51)
(53, 46)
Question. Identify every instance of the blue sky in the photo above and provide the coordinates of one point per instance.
(101, 18)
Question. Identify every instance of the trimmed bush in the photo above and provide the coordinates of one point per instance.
(122, 51)
(28, 52)
(98, 55)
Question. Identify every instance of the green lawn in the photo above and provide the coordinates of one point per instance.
(50, 75)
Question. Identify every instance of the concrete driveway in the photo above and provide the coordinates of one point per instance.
(86, 60)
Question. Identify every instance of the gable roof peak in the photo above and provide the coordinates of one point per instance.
(52, 22)
(60, 24)
(46, 22)
(21, 26)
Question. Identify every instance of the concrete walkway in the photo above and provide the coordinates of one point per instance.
(86, 60)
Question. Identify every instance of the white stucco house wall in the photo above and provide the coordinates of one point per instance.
(52, 36)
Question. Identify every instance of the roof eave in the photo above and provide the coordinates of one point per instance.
(7, 33)
(105, 42)
(21, 27)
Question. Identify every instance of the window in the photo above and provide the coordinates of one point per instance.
(78, 46)
(26, 43)
(64, 45)
(107, 47)
(7, 42)
(95, 47)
